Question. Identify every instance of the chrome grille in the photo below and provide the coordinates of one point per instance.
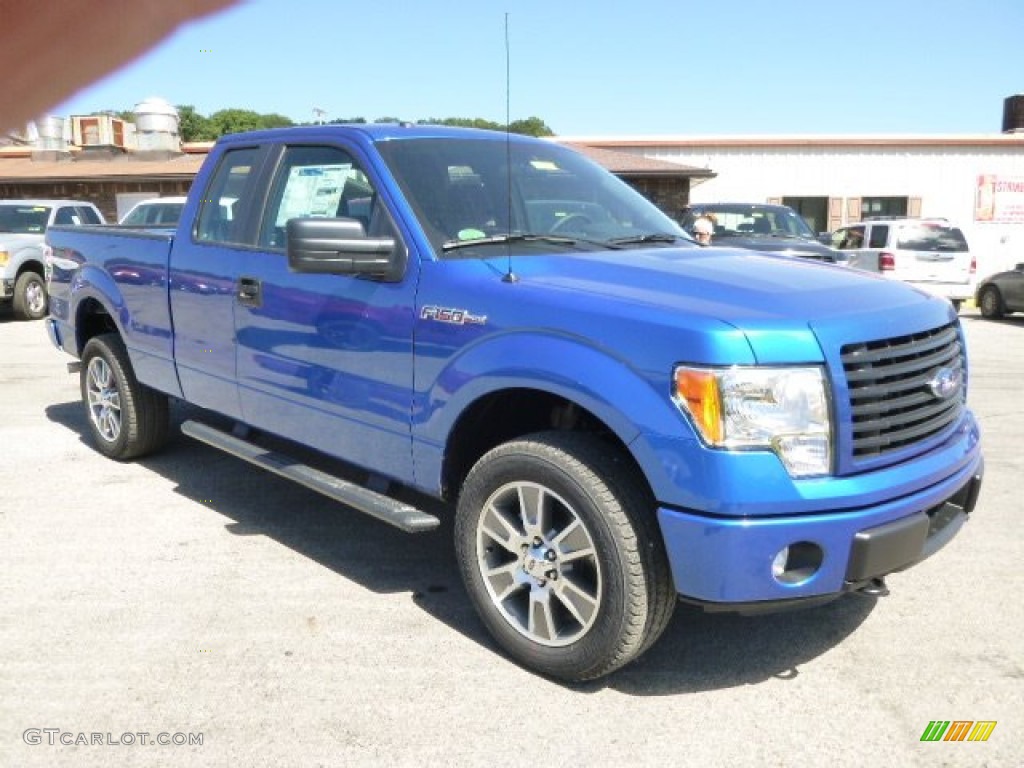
(892, 386)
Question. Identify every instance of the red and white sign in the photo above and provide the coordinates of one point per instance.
(999, 199)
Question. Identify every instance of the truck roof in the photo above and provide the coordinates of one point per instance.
(375, 132)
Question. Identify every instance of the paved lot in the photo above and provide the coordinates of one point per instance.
(192, 594)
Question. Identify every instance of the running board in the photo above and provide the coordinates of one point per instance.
(384, 508)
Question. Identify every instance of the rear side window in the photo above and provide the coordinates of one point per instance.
(88, 215)
(66, 215)
(849, 238)
(879, 236)
(219, 215)
(931, 237)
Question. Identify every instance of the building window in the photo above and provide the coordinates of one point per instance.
(813, 210)
(883, 206)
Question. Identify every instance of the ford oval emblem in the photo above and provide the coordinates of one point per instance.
(945, 382)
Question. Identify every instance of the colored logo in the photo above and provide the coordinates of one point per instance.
(945, 382)
(958, 730)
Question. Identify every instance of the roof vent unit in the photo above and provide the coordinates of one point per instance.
(1013, 114)
(98, 131)
(51, 133)
(156, 122)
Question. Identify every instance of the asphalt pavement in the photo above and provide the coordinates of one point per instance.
(190, 609)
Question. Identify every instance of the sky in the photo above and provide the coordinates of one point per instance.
(602, 69)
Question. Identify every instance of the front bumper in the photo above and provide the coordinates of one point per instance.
(6, 288)
(727, 563)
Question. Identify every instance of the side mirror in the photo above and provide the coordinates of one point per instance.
(341, 247)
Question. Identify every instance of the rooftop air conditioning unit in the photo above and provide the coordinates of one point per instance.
(98, 131)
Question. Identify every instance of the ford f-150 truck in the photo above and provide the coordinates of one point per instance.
(617, 417)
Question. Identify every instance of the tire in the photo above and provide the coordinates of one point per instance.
(127, 419)
(558, 547)
(30, 299)
(991, 303)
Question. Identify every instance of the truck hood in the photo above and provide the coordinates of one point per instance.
(784, 307)
(10, 241)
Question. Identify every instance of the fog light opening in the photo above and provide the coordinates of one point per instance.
(797, 563)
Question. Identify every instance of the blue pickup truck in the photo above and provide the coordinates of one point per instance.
(618, 418)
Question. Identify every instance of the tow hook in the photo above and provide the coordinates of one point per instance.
(875, 588)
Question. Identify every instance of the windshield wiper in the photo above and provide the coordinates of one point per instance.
(453, 245)
(652, 237)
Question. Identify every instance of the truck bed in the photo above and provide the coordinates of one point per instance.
(127, 268)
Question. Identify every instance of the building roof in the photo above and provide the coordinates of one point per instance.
(17, 165)
(1009, 140)
(632, 165)
(16, 169)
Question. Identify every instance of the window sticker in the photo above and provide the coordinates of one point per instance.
(313, 190)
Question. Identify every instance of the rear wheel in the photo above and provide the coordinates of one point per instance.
(991, 303)
(127, 419)
(30, 301)
(560, 554)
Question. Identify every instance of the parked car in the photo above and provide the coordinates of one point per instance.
(760, 227)
(931, 254)
(155, 212)
(1001, 293)
(23, 224)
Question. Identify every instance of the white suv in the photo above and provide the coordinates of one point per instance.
(931, 254)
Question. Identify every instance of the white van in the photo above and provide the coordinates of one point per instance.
(931, 254)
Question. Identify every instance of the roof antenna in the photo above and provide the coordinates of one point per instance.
(510, 276)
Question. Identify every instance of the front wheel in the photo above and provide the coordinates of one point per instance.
(30, 300)
(127, 419)
(991, 303)
(560, 554)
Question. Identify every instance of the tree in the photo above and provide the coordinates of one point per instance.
(192, 126)
(531, 126)
(228, 121)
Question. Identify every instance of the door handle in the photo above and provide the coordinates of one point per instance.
(250, 292)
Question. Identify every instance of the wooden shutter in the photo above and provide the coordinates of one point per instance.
(913, 207)
(852, 209)
(835, 213)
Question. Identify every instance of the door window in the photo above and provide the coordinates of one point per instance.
(314, 181)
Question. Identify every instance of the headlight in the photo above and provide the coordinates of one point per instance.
(784, 410)
(4, 258)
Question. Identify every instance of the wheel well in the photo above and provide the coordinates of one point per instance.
(507, 415)
(92, 320)
(31, 266)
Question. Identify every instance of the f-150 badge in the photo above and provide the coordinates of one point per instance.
(451, 316)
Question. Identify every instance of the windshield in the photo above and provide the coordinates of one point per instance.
(462, 194)
(931, 237)
(24, 219)
(751, 221)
